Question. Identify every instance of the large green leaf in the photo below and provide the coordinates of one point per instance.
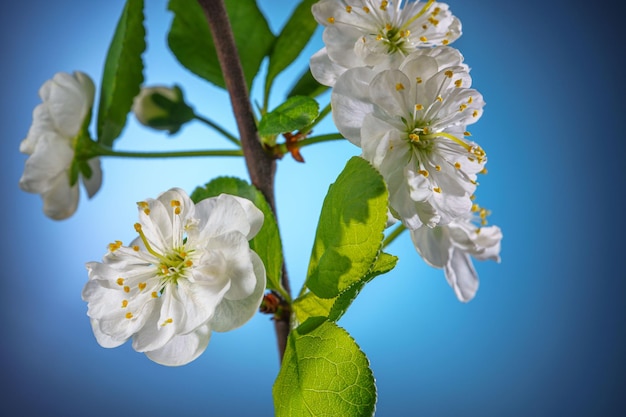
(350, 230)
(123, 73)
(309, 305)
(267, 242)
(291, 41)
(191, 42)
(294, 114)
(307, 86)
(324, 373)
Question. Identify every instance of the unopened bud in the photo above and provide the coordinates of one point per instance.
(162, 108)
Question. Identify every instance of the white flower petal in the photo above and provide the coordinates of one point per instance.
(227, 213)
(231, 314)
(182, 349)
(461, 276)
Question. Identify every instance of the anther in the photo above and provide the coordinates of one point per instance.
(349, 9)
(399, 86)
(439, 98)
(388, 27)
(129, 315)
(126, 289)
(168, 321)
(462, 107)
(418, 79)
(449, 73)
(141, 286)
(414, 137)
(437, 190)
(124, 303)
(457, 165)
(384, 4)
(120, 281)
(445, 42)
(423, 172)
(137, 227)
(483, 171)
(437, 168)
(188, 263)
(115, 246)
(331, 20)
(366, 9)
(154, 294)
(423, 38)
(458, 83)
(475, 114)
(419, 107)
(466, 133)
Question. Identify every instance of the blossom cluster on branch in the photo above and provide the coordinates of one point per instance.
(405, 98)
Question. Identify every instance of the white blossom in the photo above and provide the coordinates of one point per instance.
(58, 123)
(377, 33)
(190, 272)
(451, 247)
(411, 125)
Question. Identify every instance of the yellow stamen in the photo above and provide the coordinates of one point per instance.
(417, 16)
(418, 79)
(126, 289)
(457, 165)
(414, 137)
(124, 303)
(129, 315)
(419, 107)
(188, 263)
(423, 39)
(399, 86)
(448, 73)
(154, 294)
(349, 9)
(331, 20)
(120, 281)
(445, 42)
(384, 4)
(423, 172)
(366, 9)
(437, 168)
(462, 107)
(437, 190)
(115, 246)
(141, 286)
(168, 321)
(458, 83)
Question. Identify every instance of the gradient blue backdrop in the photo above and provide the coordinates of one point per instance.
(543, 337)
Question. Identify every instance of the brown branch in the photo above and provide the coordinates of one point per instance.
(261, 165)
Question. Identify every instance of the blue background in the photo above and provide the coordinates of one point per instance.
(544, 335)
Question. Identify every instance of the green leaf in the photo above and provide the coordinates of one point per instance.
(324, 373)
(307, 86)
(291, 41)
(294, 114)
(123, 73)
(309, 305)
(350, 230)
(191, 42)
(267, 242)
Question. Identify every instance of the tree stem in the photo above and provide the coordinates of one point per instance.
(261, 166)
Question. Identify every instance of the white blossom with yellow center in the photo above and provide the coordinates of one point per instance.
(377, 33)
(452, 247)
(190, 271)
(411, 125)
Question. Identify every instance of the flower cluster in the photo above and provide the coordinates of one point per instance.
(405, 98)
(191, 271)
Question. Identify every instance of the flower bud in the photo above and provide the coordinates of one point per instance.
(162, 108)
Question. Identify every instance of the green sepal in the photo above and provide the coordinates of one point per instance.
(123, 73)
(267, 242)
(324, 372)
